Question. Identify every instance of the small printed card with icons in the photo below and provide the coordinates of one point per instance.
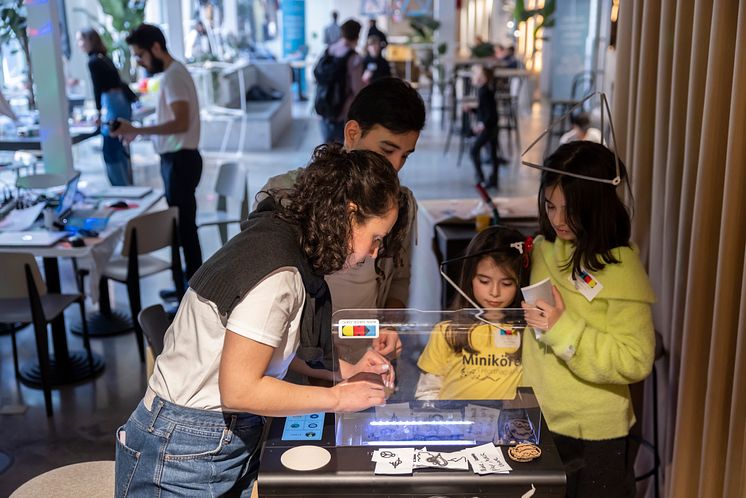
(358, 329)
(307, 427)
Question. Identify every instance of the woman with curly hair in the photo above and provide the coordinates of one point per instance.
(254, 305)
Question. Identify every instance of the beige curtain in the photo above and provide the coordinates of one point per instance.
(680, 115)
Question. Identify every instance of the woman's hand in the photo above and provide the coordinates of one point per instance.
(372, 362)
(543, 315)
(359, 393)
(388, 343)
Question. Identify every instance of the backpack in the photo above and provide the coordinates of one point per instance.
(331, 84)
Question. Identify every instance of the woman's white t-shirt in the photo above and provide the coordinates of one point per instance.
(186, 372)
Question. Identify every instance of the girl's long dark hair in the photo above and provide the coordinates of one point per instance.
(594, 210)
(322, 197)
(493, 243)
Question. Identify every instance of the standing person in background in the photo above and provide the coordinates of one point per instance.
(113, 100)
(486, 127)
(375, 64)
(332, 32)
(339, 78)
(374, 31)
(175, 136)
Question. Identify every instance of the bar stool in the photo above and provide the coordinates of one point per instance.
(583, 84)
(89, 479)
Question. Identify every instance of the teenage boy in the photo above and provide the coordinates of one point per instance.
(175, 134)
(387, 117)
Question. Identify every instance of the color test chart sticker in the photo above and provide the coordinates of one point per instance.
(358, 329)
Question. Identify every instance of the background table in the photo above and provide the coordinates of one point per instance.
(426, 284)
(67, 366)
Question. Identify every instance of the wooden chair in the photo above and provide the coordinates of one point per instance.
(24, 298)
(143, 235)
(231, 184)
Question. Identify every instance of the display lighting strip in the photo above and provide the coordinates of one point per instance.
(422, 422)
(445, 442)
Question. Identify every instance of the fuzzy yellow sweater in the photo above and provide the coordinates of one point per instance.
(580, 369)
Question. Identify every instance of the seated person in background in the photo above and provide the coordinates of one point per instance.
(508, 59)
(197, 43)
(375, 66)
(581, 130)
(483, 361)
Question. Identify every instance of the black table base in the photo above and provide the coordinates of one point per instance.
(76, 371)
(103, 324)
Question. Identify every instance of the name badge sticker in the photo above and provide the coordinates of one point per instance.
(358, 329)
(506, 337)
(587, 285)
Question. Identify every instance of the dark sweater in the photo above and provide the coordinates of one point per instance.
(265, 244)
(104, 76)
(487, 106)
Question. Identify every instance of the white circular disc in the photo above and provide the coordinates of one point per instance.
(305, 458)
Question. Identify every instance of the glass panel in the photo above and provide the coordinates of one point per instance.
(456, 377)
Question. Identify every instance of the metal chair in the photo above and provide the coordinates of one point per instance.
(24, 298)
(143, 235)
(154, 322)
(231, 183)
(583, 84)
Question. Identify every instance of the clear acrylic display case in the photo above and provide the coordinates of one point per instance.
(476, 397)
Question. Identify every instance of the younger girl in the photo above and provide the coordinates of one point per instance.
(598, 336)
(481, 361)
(261, 297)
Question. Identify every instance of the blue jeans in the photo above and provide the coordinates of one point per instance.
(116, 155)
(171, 451)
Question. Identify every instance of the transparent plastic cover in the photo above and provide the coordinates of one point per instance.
(455, 381)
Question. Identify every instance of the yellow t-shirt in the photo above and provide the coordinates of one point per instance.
(491, 373)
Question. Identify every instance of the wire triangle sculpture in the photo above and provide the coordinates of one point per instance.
(604, 107)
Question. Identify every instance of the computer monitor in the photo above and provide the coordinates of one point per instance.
(68, 196)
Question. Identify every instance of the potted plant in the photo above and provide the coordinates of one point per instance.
(546, 13)
(421, 41)
(124, 15)
(13, 28)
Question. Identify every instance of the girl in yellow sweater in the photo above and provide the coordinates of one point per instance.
(597, 337)
(479, 361)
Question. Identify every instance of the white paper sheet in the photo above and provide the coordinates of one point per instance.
(394, 461)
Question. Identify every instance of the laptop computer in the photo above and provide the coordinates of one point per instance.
(37, 238)
(121, 192)
(79, 219)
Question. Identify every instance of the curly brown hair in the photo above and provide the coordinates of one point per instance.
(325, 190)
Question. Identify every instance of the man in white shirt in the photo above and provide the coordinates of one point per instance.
(175, 136)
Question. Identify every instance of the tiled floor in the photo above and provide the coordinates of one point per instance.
(86, 415)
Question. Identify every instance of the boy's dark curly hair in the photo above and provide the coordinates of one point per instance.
(335, 188)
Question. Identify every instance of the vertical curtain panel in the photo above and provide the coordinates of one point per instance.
(680, 115)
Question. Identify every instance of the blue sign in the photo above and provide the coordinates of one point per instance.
(570, 53)
(294, 34)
